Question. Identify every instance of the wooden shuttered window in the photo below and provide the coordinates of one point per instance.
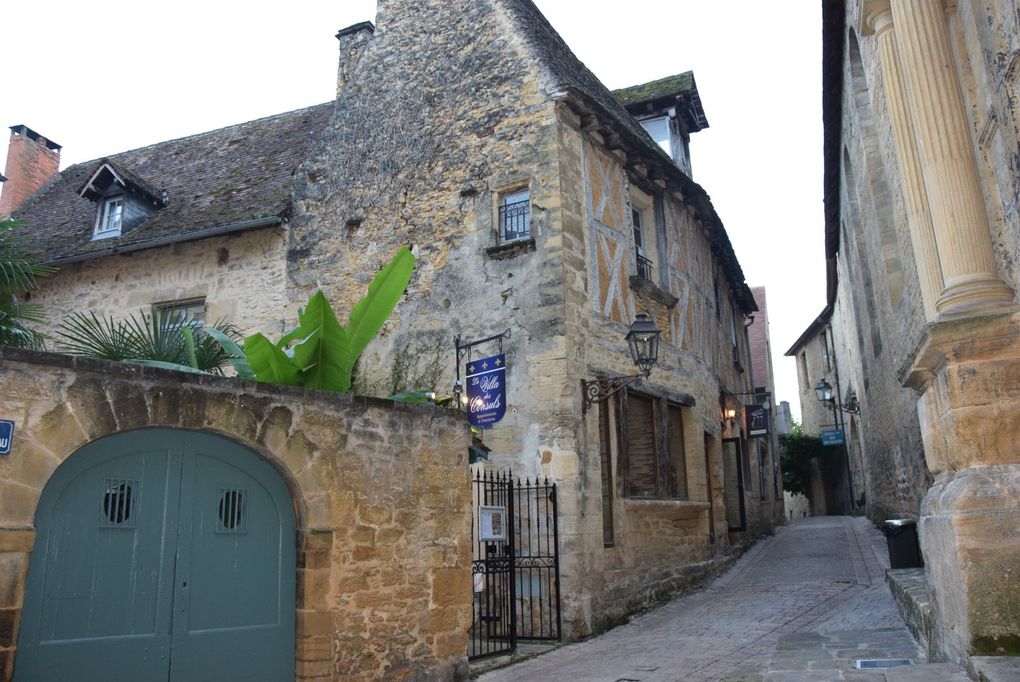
(642, 459)
(653, 461)
(677, 457)
(607, 474)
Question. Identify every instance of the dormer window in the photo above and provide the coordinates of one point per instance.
(123, 199)
(658, 128)
(110, 217)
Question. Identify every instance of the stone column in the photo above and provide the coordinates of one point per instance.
(946, 155)
(878, 20)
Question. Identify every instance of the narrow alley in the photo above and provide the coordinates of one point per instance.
(804, 604)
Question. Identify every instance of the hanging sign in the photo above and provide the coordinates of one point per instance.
(486, 390)
(757, 420)
(832, 437)
(6, 436)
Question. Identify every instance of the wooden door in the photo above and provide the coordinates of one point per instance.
(161, 554)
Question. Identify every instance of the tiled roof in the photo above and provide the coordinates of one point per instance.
(670, 86)
(234, 177)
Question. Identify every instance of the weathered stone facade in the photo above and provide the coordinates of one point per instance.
(242, 279)
(923, 231)
(381, 494)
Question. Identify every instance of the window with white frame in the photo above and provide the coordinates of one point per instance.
(191, 311)
(658, 128)
(111, 217)
(643, 221)
(515, 215)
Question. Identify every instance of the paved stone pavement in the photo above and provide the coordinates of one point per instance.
(801, 605)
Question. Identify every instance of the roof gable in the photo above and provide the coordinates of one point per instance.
(108, 174)
(657, 96)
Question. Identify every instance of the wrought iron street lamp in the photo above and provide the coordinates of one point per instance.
(643, 340)
(823, 390)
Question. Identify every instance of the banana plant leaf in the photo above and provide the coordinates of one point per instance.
(372, 311)
(324, 352)
(269, 363)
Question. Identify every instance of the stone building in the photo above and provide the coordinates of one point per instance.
(922, 226)
(535, 201)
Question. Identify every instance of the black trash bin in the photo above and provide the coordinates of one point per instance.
(904, 549)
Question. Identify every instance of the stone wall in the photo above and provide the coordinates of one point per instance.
(382, 493)
(241, 278)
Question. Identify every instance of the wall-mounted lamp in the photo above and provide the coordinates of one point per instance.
(730, 413)
(823, 391)
(643, 340)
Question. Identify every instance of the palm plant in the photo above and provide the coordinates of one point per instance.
(18, 275)
(158, 339)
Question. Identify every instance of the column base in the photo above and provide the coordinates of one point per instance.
(971, 295)
(970, 536)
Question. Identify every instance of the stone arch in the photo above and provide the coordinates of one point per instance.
(876, 174)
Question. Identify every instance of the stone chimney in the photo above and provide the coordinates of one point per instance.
(353, 41)
(31, 161)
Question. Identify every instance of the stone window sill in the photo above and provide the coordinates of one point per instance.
(511, 249)
(643, 286)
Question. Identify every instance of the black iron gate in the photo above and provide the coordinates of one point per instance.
(516, 570)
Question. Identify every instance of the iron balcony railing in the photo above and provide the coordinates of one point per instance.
(515, 221)
(644, 268)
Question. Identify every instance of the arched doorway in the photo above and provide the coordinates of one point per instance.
(161, 554)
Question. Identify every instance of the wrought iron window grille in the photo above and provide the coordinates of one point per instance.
(644, 268)
(515, 220)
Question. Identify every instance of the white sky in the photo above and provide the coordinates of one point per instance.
(105, 79)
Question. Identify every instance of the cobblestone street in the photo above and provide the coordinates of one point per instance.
(801, 605)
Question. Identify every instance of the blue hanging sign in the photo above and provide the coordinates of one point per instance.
(6, 436)
(832, 437)
(486, 390)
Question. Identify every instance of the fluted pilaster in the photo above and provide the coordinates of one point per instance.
(878, 20)
(946, 157)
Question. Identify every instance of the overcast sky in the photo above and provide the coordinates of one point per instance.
(101, 79)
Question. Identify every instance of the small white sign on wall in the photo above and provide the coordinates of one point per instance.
(492, 524)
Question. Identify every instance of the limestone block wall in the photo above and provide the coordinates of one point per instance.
(241, 278)
(381, 491)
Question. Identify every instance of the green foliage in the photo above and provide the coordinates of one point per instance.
(159, 339)
(798, 449)
(416, 370)
(18, 275)
(321, 353)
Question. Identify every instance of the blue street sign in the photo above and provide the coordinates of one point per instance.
(832, 437)
(486, 390)
(6, 436)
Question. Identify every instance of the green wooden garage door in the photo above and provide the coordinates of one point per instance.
(161, 554)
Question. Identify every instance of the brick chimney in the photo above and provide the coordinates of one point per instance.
(353, 41)
(31, 161)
